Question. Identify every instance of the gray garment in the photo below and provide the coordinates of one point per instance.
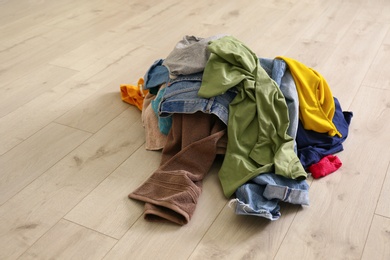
(189, 56)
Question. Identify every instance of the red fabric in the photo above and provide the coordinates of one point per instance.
(325, 166)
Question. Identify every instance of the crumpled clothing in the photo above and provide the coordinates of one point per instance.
(258, 116)
(278, 70)
(316, 105)
(189, 56)
(154, 139)
(164, 123)
(181, 96)
(155, 76)
(253, 197)
(171, 193)
(134, 95)
(312, 146)
(325, 166)
(261, 195)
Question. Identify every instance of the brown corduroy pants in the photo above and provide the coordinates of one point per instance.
(172, 191)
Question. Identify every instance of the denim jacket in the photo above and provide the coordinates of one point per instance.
(181, 96)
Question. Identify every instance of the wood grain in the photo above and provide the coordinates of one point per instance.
(71, 151)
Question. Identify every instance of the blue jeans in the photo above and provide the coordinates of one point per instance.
(261, 195)
(181, 96)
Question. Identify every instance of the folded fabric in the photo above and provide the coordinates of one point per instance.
(325, 166)
(134, 95)
(316, 105)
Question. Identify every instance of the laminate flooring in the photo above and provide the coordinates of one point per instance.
(71, 150)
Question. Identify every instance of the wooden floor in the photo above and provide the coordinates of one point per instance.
(71, 150)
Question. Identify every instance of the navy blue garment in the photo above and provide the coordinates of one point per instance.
(313, 146)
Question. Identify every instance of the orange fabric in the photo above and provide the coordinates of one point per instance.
(134, 95)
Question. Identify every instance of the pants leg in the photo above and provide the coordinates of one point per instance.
(172, 192)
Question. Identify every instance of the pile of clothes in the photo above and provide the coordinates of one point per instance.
(274, 122)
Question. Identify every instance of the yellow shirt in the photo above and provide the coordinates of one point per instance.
(316, 103)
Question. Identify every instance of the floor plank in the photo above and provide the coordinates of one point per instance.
(72, 242)
(378, 242)
(107, 208)
(31, 117)
(67, 38)
(328, 28)
(248, 237)
(71, 150)
(378, 75)
(273, 43)
(146, 240)
(106, 104)
(336, 219)
(30, 86)
(383, 207)
(39, 206)
(26, 162)
(346, 68)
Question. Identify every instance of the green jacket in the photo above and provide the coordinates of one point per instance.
(258, 116)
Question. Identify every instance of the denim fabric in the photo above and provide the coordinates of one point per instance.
(278, 70)
(313, 146)
(156, 75)
(260, 196)
(181, 96)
